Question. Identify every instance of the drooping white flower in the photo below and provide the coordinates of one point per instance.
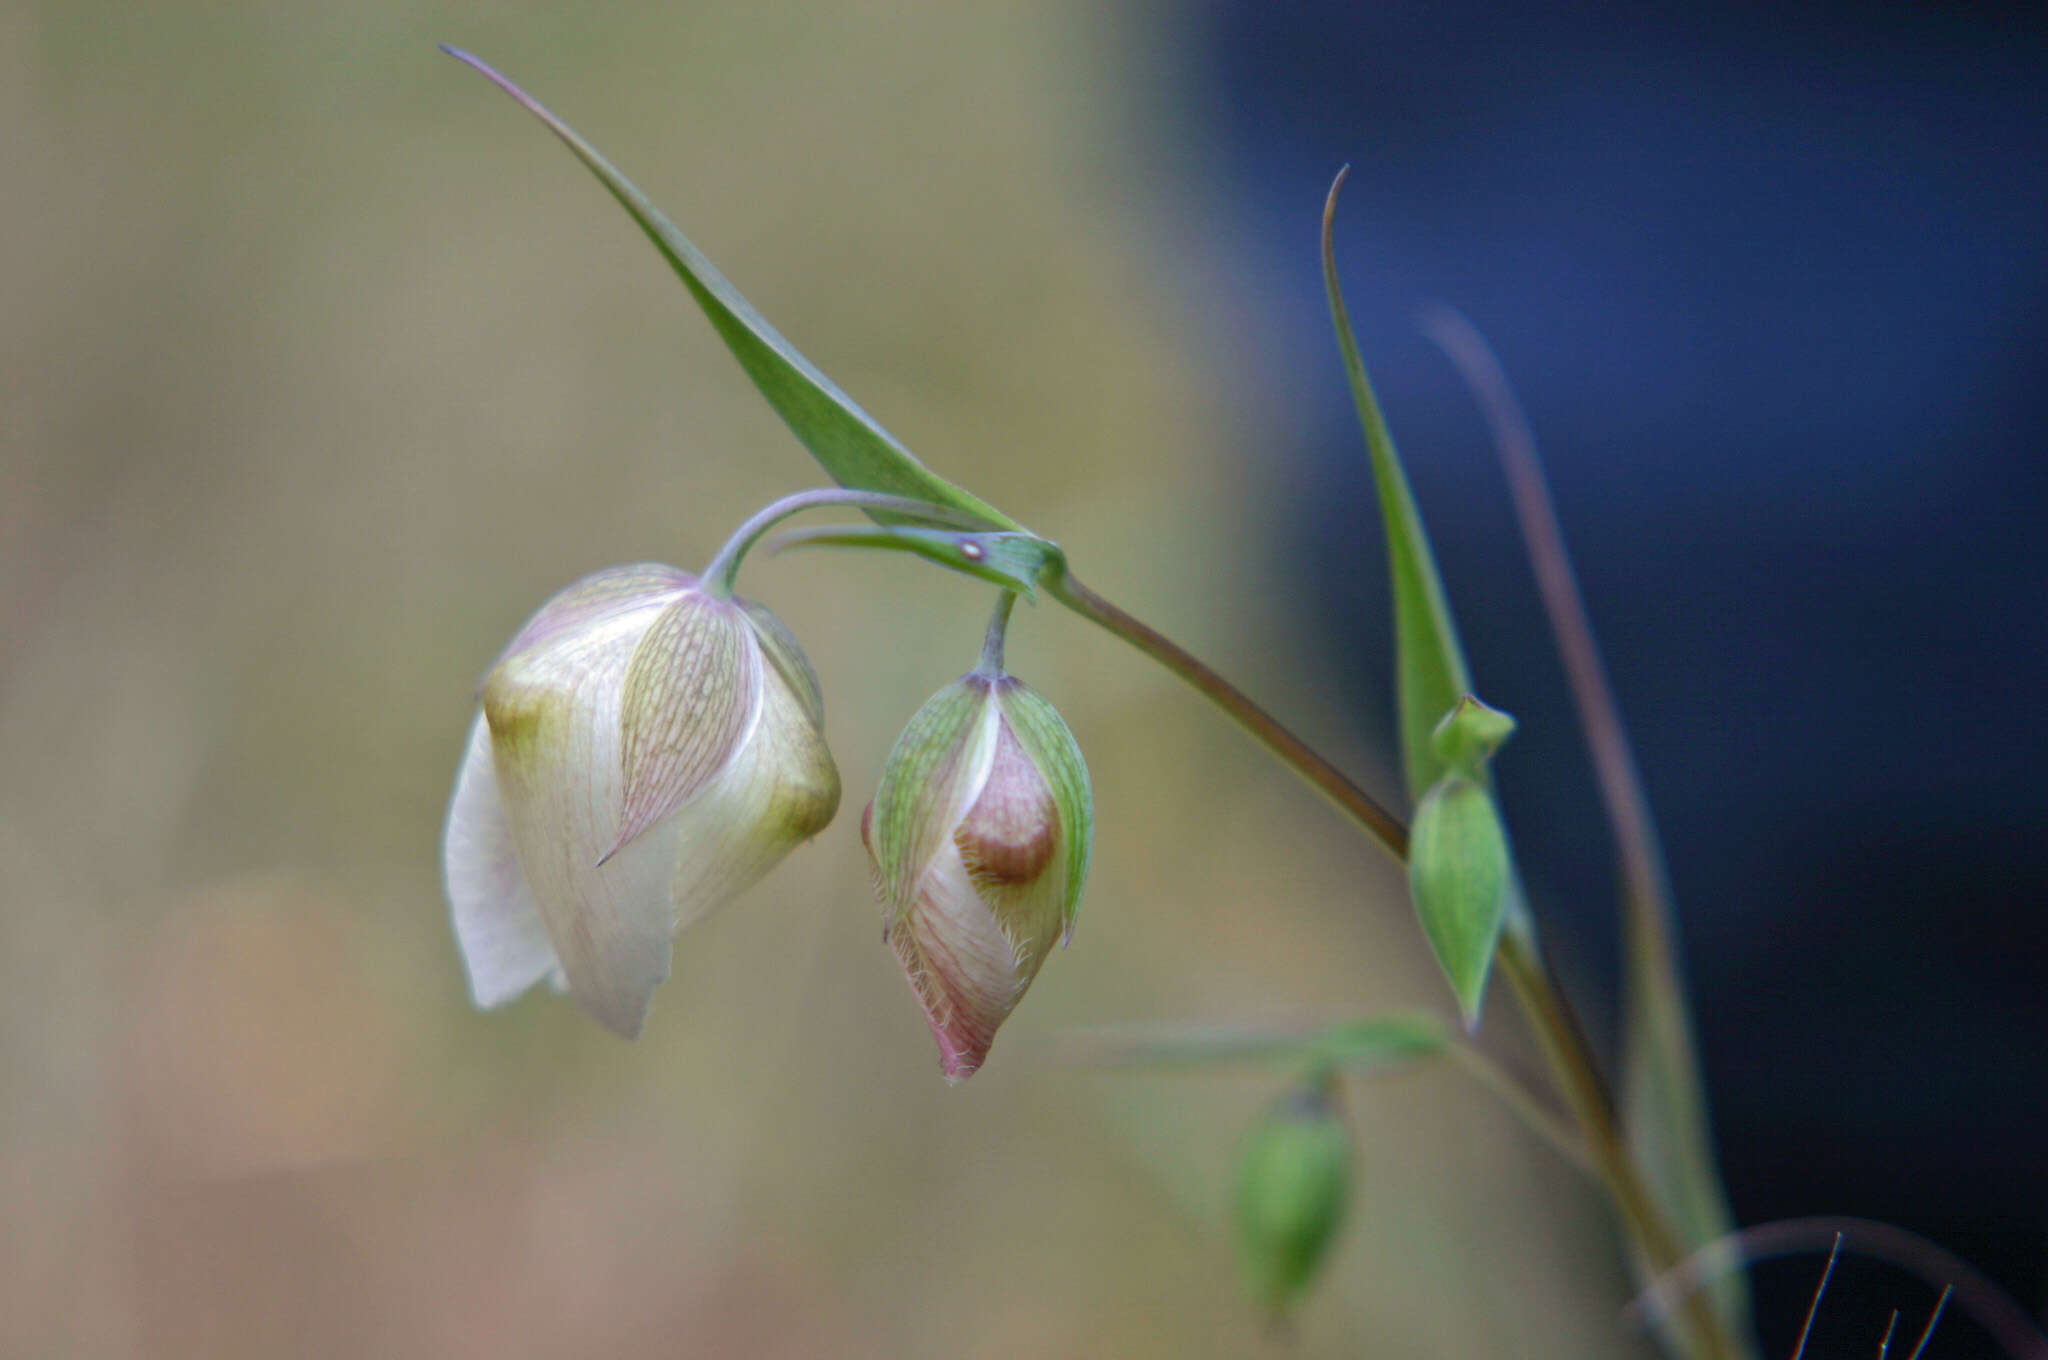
(979, 836)
(645, 752)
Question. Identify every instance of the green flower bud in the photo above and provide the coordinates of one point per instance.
(646, 751)
(979, 837)
(1469, 735)
(1292, 1189)
(1458, 874)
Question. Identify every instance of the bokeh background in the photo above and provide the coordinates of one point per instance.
(323, 366)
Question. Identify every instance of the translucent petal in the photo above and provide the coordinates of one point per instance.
(505, 947)
(1008, 837)
(932, 777)
(692, 692)
(778, 644)
(965, 970)
(1050, 746)
(600, 596)
(781, 789)
(555, 732)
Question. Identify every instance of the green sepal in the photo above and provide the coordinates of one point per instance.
(1015, 561)
(851, 444)
(1293, 1186)
(1469, 735)
(1458, 874)
(1429, 661)
(1050, 744)
(924, 776)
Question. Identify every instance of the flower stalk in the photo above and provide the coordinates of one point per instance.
(1573, 1069)
(723, 572)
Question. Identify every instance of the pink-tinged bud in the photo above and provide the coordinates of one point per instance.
(646, 752)
(979, 836)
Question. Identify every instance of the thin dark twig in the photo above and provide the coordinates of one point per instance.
(1383, 826)
(1933, 1320)
(1996, 1311)
(1813, 1309)
(1621, 788)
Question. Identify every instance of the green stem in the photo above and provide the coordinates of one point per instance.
(725, 567)
(1563, 1138)
(1572, 1067)
(998, 629)
(1579, 1081)
(1383, 826)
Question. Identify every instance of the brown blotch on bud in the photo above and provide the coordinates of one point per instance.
(1013, 830)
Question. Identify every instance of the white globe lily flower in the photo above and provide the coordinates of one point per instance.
(979, 836)
(646, 751)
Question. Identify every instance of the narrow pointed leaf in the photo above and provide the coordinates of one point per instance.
(1664, 1102)
(1429, 661)
(1355, 1044)
(1015, 561)
(851, 445)
(1664, 1109)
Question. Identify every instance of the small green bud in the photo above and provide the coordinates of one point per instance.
(1292, 1189)
(1458, 875)
(1469, 735)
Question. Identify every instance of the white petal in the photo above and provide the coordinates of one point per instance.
(505, 948)
(932, 777)
(692, 691)
(554, 716)
(598, 597)
(780, 789)
(967, 972)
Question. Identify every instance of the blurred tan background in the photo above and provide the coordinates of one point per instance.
(323, 366)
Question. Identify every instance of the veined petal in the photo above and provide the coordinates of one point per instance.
(930, 780)
(692, 691)
(1008, 837)
(554, 713)
(778, 644)
(1014, 847)
(780, 789)
(1049, 745)
(968, 974)
(505, 946)
(600, 596)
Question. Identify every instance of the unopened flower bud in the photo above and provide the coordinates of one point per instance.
(979, 837)
(646, 751)
(1292, 1189)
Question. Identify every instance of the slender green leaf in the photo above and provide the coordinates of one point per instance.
(1384, 1039)
(1663, 1095)
(851, 445)
(1664, 1109)
(1011, 560)
(1430, 664)
(1353, 1044)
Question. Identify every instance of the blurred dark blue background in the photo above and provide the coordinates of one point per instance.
(1773, 286)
